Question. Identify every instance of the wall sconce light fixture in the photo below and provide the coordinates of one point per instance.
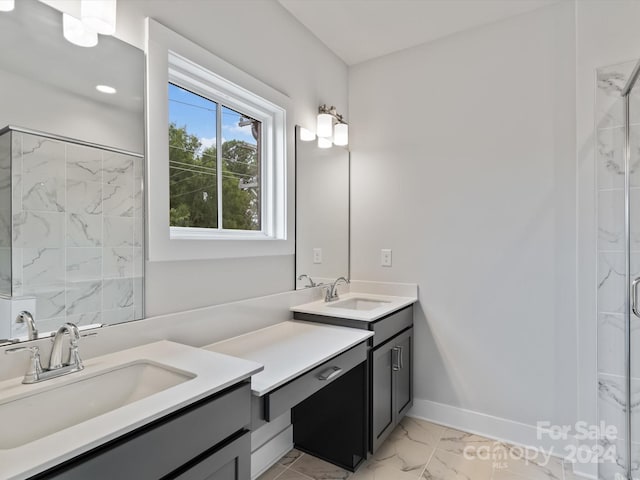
(7, 5)
(324, 142)
(331, 129)
(325, 129)
(99, 15)
(77, 32)
(306, 135)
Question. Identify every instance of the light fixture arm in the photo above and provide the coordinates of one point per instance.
(333, 112)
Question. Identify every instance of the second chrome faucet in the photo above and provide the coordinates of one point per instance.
(332, 290)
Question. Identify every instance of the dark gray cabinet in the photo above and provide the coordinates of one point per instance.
(226, 463)
(382, 384)
(208, 440)
(391, 367)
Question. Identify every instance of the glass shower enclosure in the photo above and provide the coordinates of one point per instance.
(618, 297)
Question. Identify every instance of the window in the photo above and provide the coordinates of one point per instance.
(216, 144)
(214, 164)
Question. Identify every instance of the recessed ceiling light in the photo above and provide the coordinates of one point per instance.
(106, 89)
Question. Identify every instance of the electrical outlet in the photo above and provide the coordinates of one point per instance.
(385, 257)
(317, 255)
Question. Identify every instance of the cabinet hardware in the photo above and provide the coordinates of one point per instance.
(634, 297)
(401, 356)
(330, 373)
(395, 358)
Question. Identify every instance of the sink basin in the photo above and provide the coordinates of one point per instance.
(362, 304)
(49, 410)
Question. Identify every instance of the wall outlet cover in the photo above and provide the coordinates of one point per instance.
(385, 257)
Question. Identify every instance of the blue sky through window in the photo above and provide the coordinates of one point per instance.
(199, 116)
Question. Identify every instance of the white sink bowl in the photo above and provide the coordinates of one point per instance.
(38, 414)
(361, 304)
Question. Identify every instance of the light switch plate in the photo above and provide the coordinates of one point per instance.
(385, 257)
(317, 255)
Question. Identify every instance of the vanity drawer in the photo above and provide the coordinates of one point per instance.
(387, 327)
(155, 450)
(289, 395)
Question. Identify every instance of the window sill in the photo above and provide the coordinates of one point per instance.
(188, 233)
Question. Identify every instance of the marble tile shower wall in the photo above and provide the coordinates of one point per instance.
(77, 218)
(610, 139)
(5, 215)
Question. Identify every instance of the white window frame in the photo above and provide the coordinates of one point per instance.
(173, 58)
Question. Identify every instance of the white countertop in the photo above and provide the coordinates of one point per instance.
(288, 349)
(392, 303)
(213, 372)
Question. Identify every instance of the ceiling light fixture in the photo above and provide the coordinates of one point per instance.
(338, 135)
(99, 15)
(77, 32)
(7, 5)
(106, 89)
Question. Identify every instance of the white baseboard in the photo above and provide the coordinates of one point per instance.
(497, 428)
(270, 430)
(268, 454)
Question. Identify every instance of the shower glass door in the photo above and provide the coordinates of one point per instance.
(632, 346)
(618, 248)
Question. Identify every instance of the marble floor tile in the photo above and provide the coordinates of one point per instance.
(380, 471)
(503, 474)
(403, 454)
(290, 457)
(534, 465)
(318, 469)
(273, 473)
(290, 474)
(450, 466)
(459, 442)
(418, 449)
(418, 431)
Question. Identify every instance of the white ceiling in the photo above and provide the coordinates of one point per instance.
(359, 30)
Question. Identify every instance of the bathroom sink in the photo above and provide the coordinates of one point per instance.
(37, 414)
(361, 304)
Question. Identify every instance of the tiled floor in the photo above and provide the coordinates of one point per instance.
(422, 450)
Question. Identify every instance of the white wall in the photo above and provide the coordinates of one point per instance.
(463, 161)
(264, 40)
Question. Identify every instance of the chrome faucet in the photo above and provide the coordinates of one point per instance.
(311, 283)
(26, 318)
(332, 291)
(36, 373)
(55, 361)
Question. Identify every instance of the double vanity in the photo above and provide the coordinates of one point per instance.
(339, 372)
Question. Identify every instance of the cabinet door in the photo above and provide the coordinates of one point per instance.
(382, 378)
(232, 462)
(404, 374)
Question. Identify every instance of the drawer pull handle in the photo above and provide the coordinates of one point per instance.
(395, 358)
(401, 354)
(330, 373)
